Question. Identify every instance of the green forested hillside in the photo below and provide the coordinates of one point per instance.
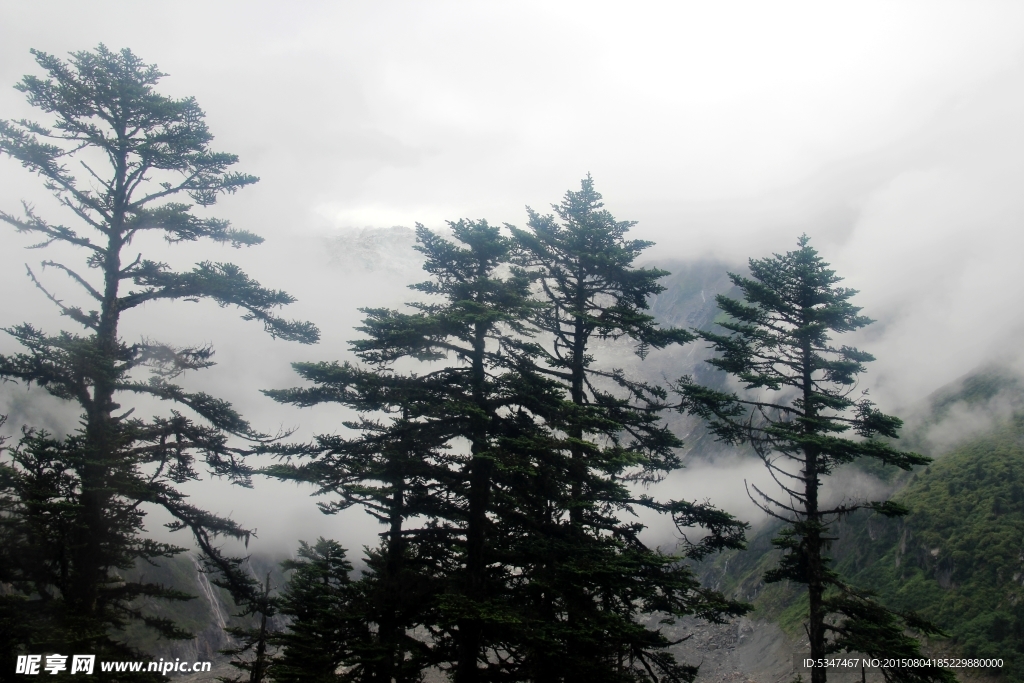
(958, 558)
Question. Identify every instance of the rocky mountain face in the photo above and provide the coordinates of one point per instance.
(207, 615)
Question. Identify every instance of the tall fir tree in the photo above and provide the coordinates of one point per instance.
(396, 469)
(140, 154)
(537, 576)
(600, 579)
(798, 413)
(466, 431)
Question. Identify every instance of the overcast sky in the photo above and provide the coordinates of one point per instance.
(890, 132)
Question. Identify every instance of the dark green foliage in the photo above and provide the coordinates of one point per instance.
(520, 567)
(41, 522)
(456, 569)
(597, 577)
(76, 516)
(585, 268)
(328, 635)
(976, 389)
(396, 469)
(864, 625)
(801, 422)
(590, 290)
(495, 401)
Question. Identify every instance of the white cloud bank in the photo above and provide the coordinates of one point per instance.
(888, 132)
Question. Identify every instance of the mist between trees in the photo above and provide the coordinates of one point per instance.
(507, 459)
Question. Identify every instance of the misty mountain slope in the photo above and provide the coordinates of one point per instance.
(970, 406)
(374, 249)
(958, 558)
(690, 290)
(206, 616)
(689, 302)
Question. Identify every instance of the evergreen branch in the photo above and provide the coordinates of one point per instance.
(91, 321)
(76, 277)
(769, 501)
(725, 531)
(226, 284)
(54, 233)
(105, 183)
(217, 411)
(167, 361)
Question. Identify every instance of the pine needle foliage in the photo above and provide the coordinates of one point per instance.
(396, 469)
(520, 564)
(253, 651)
(449, 445)
(328, 634)
(799, 413)
(122, 161)
(599, 578)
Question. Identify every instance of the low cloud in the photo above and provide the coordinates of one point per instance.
(896, 147)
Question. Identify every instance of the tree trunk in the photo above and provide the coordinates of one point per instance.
(481, 472)
(259, 665)
(390, 630)
(90, 567)
(812, 533)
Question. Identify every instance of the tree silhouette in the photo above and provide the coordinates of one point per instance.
(599, 578)
(144, 165)
(804, 424)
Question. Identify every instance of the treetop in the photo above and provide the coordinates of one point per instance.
(155, 147)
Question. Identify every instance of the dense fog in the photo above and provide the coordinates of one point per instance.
(889, 134)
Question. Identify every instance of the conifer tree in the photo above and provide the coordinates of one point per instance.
(124, 162)
(527, 594)
(804, 423)
(600, 577)
(18, 623)
(324, 641)
(396, 469)
(465, 432)
(494, 400)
